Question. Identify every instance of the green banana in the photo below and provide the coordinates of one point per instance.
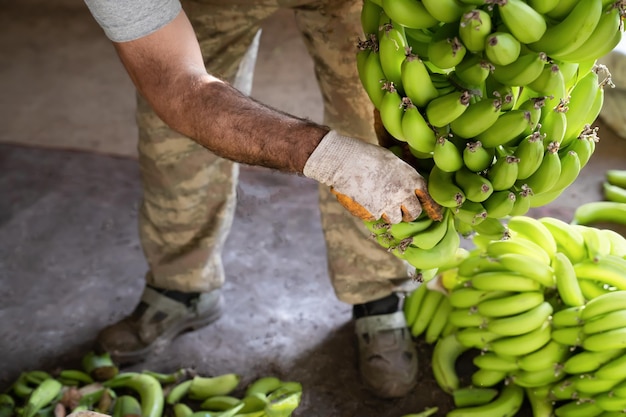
(370, 17)
(521, 323)
(485, 378)
(491, 362)
(416, 81)
(567, 282)
(497, 248)
(127, 405)
(570, 336)
(550, 356)
(148, 388)
(203, 387)
(534, 379)
(553, 123)
(404, 230)
(478, 117)
(476, 337)
(220, 403)
(432, 235)
(530, 152)
(570, 168)
(570, 33)
(616, 177)
(521, 72)
(442, 189)
(614, 193)
(435, 257)
(532, 230)
(608, 340)
(522, 344)
(551, 84)
(600, 212)
(438, 322)
(499, 204)
(473, 70)
(473, 396)
(507, 403)
(476, 187)
(178, 392)
(372, 77)
(510, 305)
(409, 13)
(443, 361)
(503, 173)
(541, 403)
(470, 213)
(392, 46)
(561, 9)
(596, 45)
(529, 267)
(578, 408)
(99, 366)
(598, 248)
(580, 103)
(618, 242)
(502, 48)
(504, 281)
(263, 385)
(284, 400)
(474, 27)
(413, 303)
(568, 240)
(583, 145)
(447, 156)
(446, 11)
(547, 174)
(476, 157)
(534, 106)
(426, 312)
(592, 289)
(586, 361)
(446, 50)
(614, 369)
(612, 301)
(179, 409)
(466, 317)
(466, 298)
(392, 111)
(524, 22)
(509, 126)
(442, 110)
(543, 6)
(416, 131)
(41, 396)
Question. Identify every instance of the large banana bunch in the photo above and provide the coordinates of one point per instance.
(493, 101)
(544, 310)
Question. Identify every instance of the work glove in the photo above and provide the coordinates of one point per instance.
(371, 182)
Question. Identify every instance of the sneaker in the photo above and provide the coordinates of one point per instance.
(387, 353)
(159, 317)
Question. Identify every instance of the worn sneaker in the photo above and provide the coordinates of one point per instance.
(387, 354)
(155, 322)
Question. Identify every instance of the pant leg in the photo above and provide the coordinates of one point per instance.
(360, 270)
(189, 193)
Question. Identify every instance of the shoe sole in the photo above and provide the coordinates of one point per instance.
(135, 356)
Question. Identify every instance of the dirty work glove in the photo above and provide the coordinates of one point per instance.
(370, 181)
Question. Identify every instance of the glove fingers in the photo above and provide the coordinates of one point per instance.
(432, 209)
(393, 218)
(411, 210)
(353, 207)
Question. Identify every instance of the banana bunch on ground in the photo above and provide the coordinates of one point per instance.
(100, 387)
(493, 100)
(543, 312)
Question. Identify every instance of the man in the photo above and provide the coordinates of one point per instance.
(193, 129)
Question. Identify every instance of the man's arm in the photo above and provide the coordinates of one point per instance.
(168, 70)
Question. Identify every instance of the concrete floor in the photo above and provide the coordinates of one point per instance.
(70, 260)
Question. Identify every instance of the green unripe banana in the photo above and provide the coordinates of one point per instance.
(478, 117)
(521, 72)
(447, 156)
(474, 28)
(530, 153)
(476, 187)
(409, 13)
(499, 204)
(443, 190)
(477, 157)
(416, 81)
(503, 173)
(442, 110)
(392, 48)
(417, 133)
(501, 48)
(524, 22)
(392, 111)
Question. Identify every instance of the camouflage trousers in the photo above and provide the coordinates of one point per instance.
(189, 193)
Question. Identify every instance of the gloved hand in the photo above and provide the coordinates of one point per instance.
(370, 181)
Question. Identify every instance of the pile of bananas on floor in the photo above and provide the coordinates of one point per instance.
(492, 101)
(99, 386)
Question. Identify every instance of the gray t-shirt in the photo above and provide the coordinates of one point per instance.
(126, 20)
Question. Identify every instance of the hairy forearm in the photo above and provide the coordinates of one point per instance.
(236, 127)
